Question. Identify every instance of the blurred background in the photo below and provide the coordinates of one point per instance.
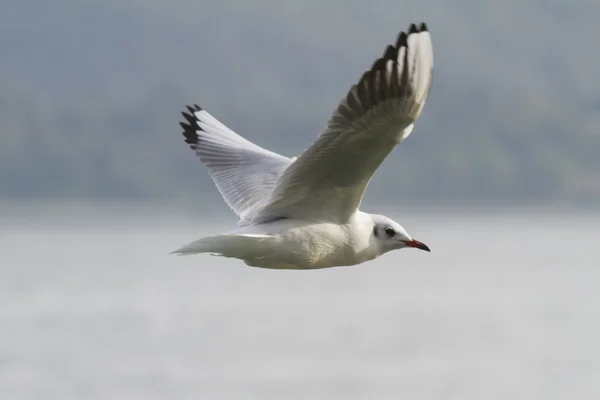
(501, 178)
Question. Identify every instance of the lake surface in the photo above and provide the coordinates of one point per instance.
(504, 307)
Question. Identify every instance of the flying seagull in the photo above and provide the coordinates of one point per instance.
(302, 212)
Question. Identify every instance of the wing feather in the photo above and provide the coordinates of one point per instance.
(243, 172)
(328, 180)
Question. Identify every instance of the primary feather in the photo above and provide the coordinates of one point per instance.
(243, 172)
(328, 180)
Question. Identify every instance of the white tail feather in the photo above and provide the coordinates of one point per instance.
(227, 245)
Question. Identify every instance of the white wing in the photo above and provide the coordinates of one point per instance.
(243, 172)
(328, 180)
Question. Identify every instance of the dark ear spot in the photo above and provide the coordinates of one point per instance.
(375, 231)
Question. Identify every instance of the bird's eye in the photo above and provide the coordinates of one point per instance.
(390, 232)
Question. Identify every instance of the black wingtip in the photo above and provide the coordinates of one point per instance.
(390, 53)
(189, 118)
(193, 108)
(401, 42)
(412, 29)
(190, 127)
(379, 63)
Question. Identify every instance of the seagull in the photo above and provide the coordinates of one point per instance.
(303, 212)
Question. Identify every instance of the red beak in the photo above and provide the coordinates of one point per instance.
(417, 245)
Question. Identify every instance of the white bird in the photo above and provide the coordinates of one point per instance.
(302, 212)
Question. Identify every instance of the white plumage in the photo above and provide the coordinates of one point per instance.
(302, 213)
(244, 173)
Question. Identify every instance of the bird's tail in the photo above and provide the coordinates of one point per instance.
(242, 246)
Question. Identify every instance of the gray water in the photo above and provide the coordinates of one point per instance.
(502, 308)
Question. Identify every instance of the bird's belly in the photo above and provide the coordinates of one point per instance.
(321, 246)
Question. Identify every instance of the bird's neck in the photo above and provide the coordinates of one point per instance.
(361, 225)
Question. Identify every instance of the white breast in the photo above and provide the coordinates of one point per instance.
(300, 245)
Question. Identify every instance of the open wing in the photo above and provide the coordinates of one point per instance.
(243, 172)
(328, 180)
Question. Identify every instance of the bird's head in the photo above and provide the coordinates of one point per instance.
(390, 235)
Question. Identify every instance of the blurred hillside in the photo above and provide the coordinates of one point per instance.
(90, 94)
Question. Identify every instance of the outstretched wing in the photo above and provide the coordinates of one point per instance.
(243, 172)
(328, 180)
